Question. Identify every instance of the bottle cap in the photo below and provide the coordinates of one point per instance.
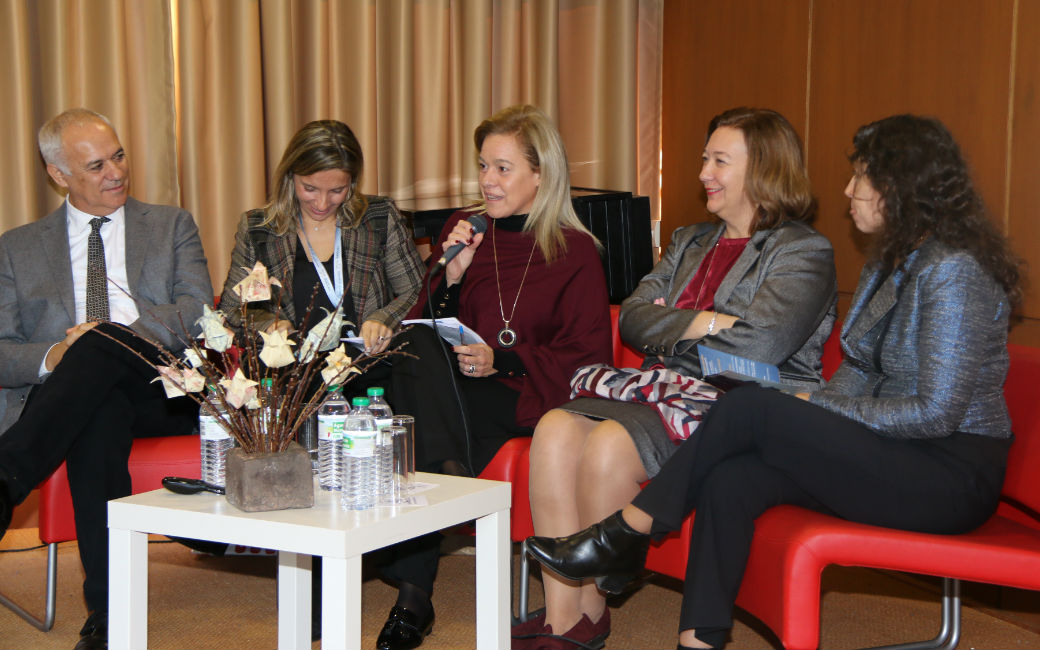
(266, 382)
(360, 401)
(375, 391)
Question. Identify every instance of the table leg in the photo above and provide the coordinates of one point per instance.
(493, 581)
(294, 600)
(341, 602)
(127, 589)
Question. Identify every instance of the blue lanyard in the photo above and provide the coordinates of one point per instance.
(334, 292)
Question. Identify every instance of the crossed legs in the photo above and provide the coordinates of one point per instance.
(582, 470)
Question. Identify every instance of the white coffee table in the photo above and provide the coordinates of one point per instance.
(338, 536)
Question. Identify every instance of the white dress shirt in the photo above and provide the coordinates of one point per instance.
(121, 305)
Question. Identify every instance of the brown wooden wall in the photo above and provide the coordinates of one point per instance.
(830, 66)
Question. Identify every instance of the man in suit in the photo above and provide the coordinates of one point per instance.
(102, 267)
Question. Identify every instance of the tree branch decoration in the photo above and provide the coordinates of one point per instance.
(261, 384)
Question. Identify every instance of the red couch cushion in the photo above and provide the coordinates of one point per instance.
(151, 459)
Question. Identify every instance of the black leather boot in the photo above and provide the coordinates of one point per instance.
(610, 551)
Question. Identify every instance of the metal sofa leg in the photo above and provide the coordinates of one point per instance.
(950, 631)
(47, 622)
(525, 583)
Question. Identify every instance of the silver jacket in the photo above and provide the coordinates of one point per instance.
(782, 288)
(942, 322)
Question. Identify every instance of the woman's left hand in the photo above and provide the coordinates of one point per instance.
(477, 360)
(376, 335)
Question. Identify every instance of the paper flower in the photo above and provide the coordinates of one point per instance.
(256, 286)
(323, 336)
(192, 358)
(176, 381)
(216, 337)
(337, 367)
(277, 350)
(194, 382)
(239, 389)
(171, 380)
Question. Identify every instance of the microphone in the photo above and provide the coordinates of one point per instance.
(479, 225)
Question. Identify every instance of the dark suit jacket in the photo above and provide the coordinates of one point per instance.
(166, 271)
(383, 267)
(782, 288)
(940, 368)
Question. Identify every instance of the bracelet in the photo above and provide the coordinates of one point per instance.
(711, 323)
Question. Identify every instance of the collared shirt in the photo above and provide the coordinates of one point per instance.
(121, 305)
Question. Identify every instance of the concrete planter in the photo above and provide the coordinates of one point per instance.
(270, 481)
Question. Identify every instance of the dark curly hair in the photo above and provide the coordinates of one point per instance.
(926, 189)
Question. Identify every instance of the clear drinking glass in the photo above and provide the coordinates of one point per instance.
(403, 437)
(307, 437)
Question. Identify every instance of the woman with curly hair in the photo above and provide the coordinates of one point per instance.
(912, 432)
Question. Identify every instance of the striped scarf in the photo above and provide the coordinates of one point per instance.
(680, 401)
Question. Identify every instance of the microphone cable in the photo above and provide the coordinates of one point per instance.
(451, 374)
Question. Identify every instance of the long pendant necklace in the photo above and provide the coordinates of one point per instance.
(707, 272)
(507, 335)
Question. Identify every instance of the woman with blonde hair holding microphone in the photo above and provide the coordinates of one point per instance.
(531, 284)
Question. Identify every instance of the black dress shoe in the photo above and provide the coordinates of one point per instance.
(610, 551)
(94, 635)
(403, 630)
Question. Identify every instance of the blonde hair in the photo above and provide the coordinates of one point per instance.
(541, 144)
(318, 146)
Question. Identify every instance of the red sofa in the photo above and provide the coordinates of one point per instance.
(150, 460)
(792, 545)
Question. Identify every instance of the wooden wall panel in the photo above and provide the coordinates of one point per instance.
(947, 58)
(716, 56)
(831, 66)
(1024, 199)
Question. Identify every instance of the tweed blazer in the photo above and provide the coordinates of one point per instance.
(783, 289)
(940, 367)
(383, 267)
(166, 272)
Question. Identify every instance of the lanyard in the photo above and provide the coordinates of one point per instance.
(334, 292)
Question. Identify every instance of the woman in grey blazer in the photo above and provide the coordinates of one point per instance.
(760, 285)
(912, 432)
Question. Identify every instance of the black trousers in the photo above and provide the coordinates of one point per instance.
(759, 448)
(422, 387)
(87, 413)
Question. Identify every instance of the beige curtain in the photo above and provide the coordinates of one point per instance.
(206, 93)
(113, 57)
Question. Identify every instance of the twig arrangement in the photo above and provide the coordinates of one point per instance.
(262, 416)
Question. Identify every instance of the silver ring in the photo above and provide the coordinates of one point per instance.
(472, 369)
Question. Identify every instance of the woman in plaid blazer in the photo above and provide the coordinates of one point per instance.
(315, 216)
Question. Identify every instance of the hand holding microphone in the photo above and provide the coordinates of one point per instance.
(467, 235)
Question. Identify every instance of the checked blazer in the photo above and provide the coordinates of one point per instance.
(382, 265)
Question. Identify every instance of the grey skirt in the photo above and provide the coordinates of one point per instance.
(641, 422)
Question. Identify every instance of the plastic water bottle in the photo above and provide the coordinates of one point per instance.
(214, 439)
(384, 445)
(268, 412)
(332, 416)
(377, 404)
(360, 460)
